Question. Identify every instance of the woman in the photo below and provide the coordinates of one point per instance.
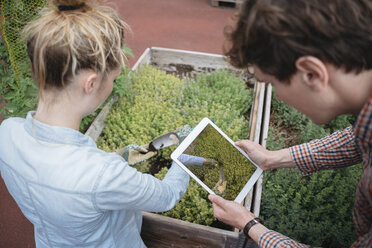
(75, 194)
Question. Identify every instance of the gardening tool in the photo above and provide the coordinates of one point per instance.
(134, 154)
(163, 141)
(169, 139)
(220, 187)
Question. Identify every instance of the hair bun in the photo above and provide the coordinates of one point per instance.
(69, 5)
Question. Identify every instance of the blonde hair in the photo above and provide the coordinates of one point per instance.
(61, 42)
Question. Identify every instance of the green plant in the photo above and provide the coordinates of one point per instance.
(121, 87)
(286, 115)
(19, 94)
(341, 122)
(317, 211)
(275, 139)
(312, 131)
(194, 206)
(159, 103)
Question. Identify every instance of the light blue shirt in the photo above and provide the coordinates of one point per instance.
(189, 160)
(75, 194)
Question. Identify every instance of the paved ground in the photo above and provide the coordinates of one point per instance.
(181, 24)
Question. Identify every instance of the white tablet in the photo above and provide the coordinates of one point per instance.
(210, 157)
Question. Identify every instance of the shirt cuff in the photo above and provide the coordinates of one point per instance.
(304, 159)
(272, 239)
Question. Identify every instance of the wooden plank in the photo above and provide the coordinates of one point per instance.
(161, 231)
(261, 98)
(266, 115)
(257, 189)
(263, 138)
(96, 128)
(145, 58)
(189, 63)
(255, 130)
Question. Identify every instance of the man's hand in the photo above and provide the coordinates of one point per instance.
(134, 154)
(234, 214)
(265, 159)
(230, 212)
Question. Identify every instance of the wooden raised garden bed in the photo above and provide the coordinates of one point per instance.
(161, 231)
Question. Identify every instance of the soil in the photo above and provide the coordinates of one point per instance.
(289, 135)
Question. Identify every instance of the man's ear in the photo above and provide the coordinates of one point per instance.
(313, 72)
(90, 82)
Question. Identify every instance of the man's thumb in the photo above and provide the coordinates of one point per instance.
(215, 199)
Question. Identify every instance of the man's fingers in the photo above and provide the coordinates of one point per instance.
(218, 209)
(217, 200)
(245, 145)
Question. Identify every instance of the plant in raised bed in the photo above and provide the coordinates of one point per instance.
(159, 103)
(317, 211)
(194, 205)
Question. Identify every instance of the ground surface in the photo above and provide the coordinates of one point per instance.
(181, 24)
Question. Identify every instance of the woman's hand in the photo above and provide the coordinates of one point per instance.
(265, 159)
(134, 154)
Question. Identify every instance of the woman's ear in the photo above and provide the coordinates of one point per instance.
(313, 72)
(89, 82)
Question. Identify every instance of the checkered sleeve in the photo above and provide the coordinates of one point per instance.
(335, 151)
(272, 239)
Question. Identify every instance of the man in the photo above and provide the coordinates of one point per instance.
(318, 56)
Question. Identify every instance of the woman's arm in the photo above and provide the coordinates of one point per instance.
(122, 187)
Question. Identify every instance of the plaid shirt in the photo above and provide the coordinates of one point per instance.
(340, 149)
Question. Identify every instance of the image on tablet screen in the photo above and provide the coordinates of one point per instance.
(217, 163)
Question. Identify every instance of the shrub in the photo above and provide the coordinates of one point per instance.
(194, 205)
(285, 115)
(317, 211)
(20, 94)
(160, 103)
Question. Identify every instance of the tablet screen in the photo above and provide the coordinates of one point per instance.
(212, 159)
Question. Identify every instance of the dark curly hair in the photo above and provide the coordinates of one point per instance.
(273, 34)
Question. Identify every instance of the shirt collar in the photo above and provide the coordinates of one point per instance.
(55, 134)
